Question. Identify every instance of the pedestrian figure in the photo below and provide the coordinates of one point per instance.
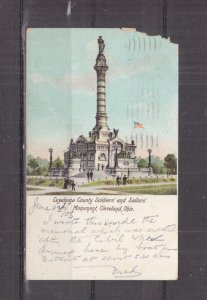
(88, 175)
(91, 174)
(65, 183)
(102, 167)
(124, 180)
(68, 183)
(73, 185)
(118, 179)
(98, 166)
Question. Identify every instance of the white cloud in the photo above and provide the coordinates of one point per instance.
(74, 82)
(86, 82)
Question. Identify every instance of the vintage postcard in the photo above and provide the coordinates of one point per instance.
(102, 155)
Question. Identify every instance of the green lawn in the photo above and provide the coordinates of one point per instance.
(130, 181)
(45, 182)
(167, 189)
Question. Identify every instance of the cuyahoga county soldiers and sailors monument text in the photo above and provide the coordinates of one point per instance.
(103, 150)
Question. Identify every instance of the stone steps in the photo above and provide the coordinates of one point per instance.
(96, 175)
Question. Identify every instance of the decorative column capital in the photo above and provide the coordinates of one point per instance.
(101, 65)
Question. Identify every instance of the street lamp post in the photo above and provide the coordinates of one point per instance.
(149, 163)
(50, 151)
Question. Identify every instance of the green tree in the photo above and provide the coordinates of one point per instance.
(170, 163)
(158, 165)
(142, 163)
(44, 170)
(28, 171)
(156, 169)
(57, 163)
(39, 171)
(33, 164)
(158, 161)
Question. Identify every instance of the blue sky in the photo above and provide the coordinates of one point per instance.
(141, 85)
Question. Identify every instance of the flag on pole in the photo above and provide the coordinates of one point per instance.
(138, 125)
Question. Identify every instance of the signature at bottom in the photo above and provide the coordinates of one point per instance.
(132, 272)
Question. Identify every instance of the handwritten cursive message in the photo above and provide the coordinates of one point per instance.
(101, 237)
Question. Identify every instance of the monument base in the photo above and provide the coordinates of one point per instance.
(129, 172)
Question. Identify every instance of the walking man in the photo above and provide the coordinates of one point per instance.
(91, 174)
(88, 175)
(65, 184)
(118, 180)
(124, 180)
(73, 185)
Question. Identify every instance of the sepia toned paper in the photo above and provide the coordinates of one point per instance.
(102, 139)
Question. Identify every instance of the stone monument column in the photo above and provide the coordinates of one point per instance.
(101, 68)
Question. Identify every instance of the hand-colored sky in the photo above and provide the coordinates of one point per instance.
(141, 85)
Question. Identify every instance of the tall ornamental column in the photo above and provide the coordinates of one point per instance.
(101, 68)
